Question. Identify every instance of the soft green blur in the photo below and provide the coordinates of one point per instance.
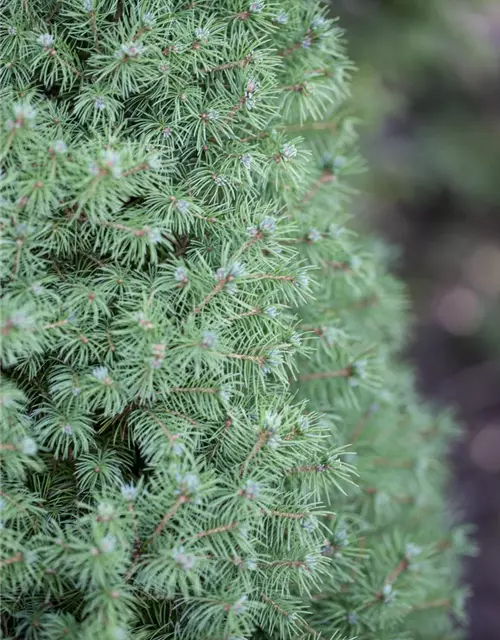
(427, 95)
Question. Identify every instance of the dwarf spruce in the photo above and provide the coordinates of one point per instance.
(206, 433)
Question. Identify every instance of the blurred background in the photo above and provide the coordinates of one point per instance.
(427, 93)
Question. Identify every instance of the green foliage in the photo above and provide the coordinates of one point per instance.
(427, 110)
(195, 345)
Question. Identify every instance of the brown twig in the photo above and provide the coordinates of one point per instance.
(221, 529)
(313, 468)
(325, 178)
(346, 372)
(263, 437)
(170, 437)
(18, 557)
(284, 514)
(230, 65)
(164, 521)
(194, 389)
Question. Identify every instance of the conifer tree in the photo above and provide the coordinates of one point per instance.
(206, 433)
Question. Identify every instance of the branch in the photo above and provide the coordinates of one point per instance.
(314, 468)
(285, 613)
(55, 325)
(218, 287)
(325, 178)
(263, 436)
(19, 244)
(16, 558)
(94, 31)
(230, 65)
(337, 265)
(180, 415)
(194, 389)
(286, 52)
(221, 529)
(73, 69)
(258, 236)
(241, 356)
(17, 505)
(361, 425)
(265, 276)
(433, 604)
(346, 372)
(284, 514)
(222, 283)
(164, 521)
(144, 166)
(401, 568)
(275, 605)
(253, 312)
(170, 436)
(285, 563)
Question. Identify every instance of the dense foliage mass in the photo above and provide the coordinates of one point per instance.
(205, 434)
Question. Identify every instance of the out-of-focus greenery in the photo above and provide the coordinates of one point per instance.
(423, 66)
(427, 95)
(428, 86)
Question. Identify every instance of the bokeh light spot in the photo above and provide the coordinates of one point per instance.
(485, 449)
(460, 311)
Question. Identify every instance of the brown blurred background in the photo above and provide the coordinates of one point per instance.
(428, 94)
